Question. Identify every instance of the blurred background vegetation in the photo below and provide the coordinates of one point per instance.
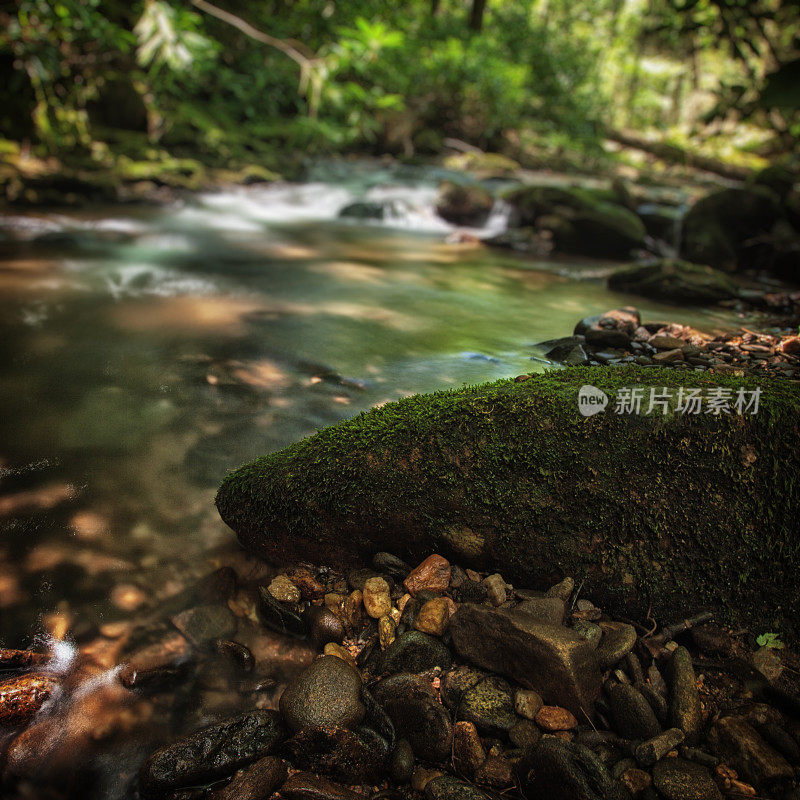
(538, 81)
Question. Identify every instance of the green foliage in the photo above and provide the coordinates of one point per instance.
(770, 640)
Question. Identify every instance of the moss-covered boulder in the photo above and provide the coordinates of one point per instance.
(581, 222)
(464, 204)
(676, 510)
(675, 281)
(731, 228)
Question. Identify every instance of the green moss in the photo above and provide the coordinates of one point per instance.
(665, 510)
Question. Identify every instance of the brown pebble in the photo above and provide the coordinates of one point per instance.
(22, 697)
(495, 772)
(258, 781)
(432, 575)
(468, 752)
(555, 718)
(21, 659)
(434, 615)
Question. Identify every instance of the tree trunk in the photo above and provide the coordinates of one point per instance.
(672, 511)
(476, 15)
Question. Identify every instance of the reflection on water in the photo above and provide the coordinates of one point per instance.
(144, 354)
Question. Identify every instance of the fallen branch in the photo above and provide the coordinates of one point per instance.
(678, 155)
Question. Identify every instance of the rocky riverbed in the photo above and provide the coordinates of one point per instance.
(393, 682)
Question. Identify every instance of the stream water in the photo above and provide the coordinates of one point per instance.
(145, 351)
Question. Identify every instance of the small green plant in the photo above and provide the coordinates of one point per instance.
(770, 640)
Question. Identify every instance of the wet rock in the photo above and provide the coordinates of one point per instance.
(390, 565)
(559, 770)
(323, 626)
(524, 734)
(386, 631)
(495, 772)
(326, 693)
(546, 610)
(633, 717)
(684, 699)
(366, 210)
(213, 752)
(446, 787)
(417, 714)
(458, 681)
(768, 663)
(727, 228)
(675, 281)
(236, 653)
(590, 631)
(464, 204)
(307, 786)
(433, 575)
(282, 589)
(553, 661)
(579, 221)
(422, 776)
(352, 756)
(333, 649)
(490, 706)
(256, 782)
(560, 349)
(678, 779)
(562, 590)
(401, 764)
(741, 746)
(527, 703)
(468, 752)
(651, 751)
(377, 600)
(23, 696)
(415, 651)
(599, 337)
(618, 640)
(279, 617)
(202, 624)
(495, 589)
(555, 718)
(21, 659)
(433, 616)
(304, 578)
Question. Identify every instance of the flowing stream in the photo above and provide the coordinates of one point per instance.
(145, 351)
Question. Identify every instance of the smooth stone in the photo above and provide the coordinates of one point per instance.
(212, 752)
(307, 786)
(524, 734)
(387, 630)
(283, 590)
(495, 772)
(555, 718)
(328, 692)
(432, 574)
(418, 716)
(279, 617)
(684, 699)
(202, 624)
(377, 600)
(527, 703)
(446, 787)
(741, 746)
(457, 681)
(554, 661)
(632, 714)
(356, 578)
(401, 765)
(323, 626)
(415, 651)
(352, 756)
(678, 779)
(390, 565)
(562, 590)
(333, 649)
(495, 589)
(647, 753)
(468, 752)
(256, 782)
(546, 610)
(490, 706)
(433, 616)
(590, 631)
(617, 641)
(559, 770)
